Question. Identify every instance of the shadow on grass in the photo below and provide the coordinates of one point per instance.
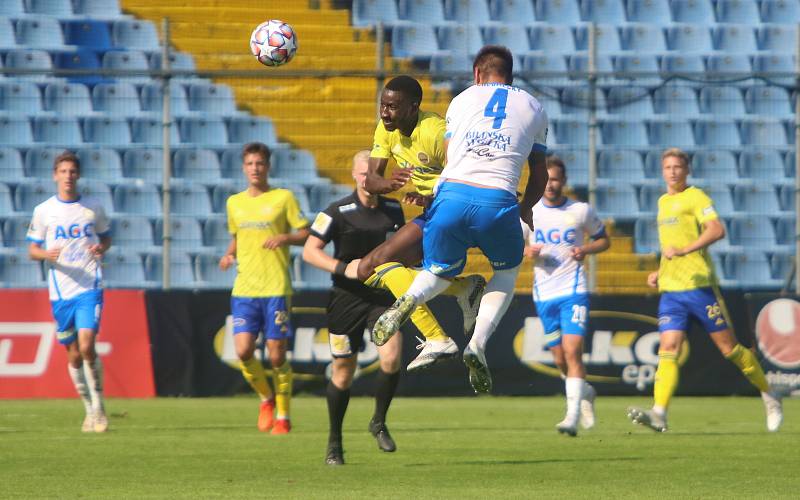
(533, 462)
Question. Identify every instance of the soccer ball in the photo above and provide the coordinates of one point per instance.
(273, 43)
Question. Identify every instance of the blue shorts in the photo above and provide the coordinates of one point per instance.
(262, 314)
(463, 217)
(675, 309)
(563, 316)
(421, 219)
(81, 312)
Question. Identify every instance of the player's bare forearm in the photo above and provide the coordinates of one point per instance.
(36, 252)
(598, 245)
(314, 254)
(374, 182)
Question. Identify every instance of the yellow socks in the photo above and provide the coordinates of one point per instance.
(666, 379)
(397, 278)
(283, 389)
(253, 372)
(748, 364)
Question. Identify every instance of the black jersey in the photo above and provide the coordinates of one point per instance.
(356, 230)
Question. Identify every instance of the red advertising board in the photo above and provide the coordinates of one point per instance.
(34, 365)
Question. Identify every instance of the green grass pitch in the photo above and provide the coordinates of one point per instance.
(491, 447)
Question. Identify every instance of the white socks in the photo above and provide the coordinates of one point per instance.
(574, 389)
(76, 374)
(494, 304)
(94, 379)
(427, 286)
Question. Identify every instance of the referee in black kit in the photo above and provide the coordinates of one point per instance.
(356, 224)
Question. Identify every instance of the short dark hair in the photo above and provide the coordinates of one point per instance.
(67, 156)
(407, 85)
(495, 59)
(256, 148)
(555, 161)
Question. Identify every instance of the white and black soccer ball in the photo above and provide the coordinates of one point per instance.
(273, 42)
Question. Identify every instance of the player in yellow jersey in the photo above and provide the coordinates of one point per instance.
(261, 220)
(687, 226)
(415, 140)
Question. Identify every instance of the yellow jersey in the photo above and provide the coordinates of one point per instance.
(680, 220)
(423, 151)
(252, 220)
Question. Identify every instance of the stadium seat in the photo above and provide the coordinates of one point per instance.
(220, 194)
(181, 269)
(97, 8)
(784, 231)
(617, 201)
(548, 69)
(779, 67)
(579, 68)
(781, 265)
(55, 8)
(552, 39)
(414, 41)
(144, 164)
(721, 101)
(189, 198)
(444, 65)
(185, 231)
(649, 11)
(135, 34)
(754, 199)
(65, 130)
(737, 11)
(212, 99)
(676, 100)
(768, 101)
(88, 33)
(624, 133)
(607, 38)
(209, 275)
(40, 33)
(20, 97)
(693, 11)
(512, 11)
(620, 164)
(101, 164)
(15, 131)
(12, 8)
(648, 201)
(6, 200)
(205, 131)
(735, 39)
(715, 166)
(68, 99)
(765, 165)
(513, 36)
(716, 133)
(38, 62)
(571, 131)
(786, 198)
(719, 193)
(152, 98)
(643, 38)
(99, 190)
(637, 70)
(180, 61)
(577, 163)
(558, 11)
(15, 228)
(215, 233)
(728, 65)
(467, 11)
(688, 38)
(137, 198)
(18, 271)
(11, 166)
(577, 101)
(116, 99)
(82, 59)
(789, 164)
(645, 236)
(603, 11)
(310, 277)
(652, 162)
(293, 164)
(549, 100)
(132, 62)
(251, 128)
(630, 102)
(39, 161)
(322, 196)
(150, 131)
(7, 39)
(422, 11)
(465, 39)
(231, 163)
(763, 132)
(31, 192)
(105, 130)
(777, 38)
(691, 64)
(780, 11)
(123, 269)
(750, 270)
(200, 165)
(371, 12)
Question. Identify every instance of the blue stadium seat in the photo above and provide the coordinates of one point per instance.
(185, 231)
(106, 130)
(135, 34)
(552, 39)
(213, 99)
(465, 39)
(62, 130)
(39, 161)
(577, 163)
(117, 99)
(206, 131)
(152, 99)
(31, 192)
(751, 231)
(18, 271)
(720, 193)
(645, 236)
(15, 228)
(322, 196)
(123, 269)
(637, 70)
(40, 33)
(210, 275)
(81, 59)
(181, 269)
(579, 68)
(763, 132)
(716, 133)
(88, 33)
(765, 165)
(571, 131)
(11, 166)
(774, 64)
(735, 39)
(547, 68)
(784, 231)
(150, 131)
(129, 61)
(177, 61)
(617, 201)
(251, 128)
(6, 200)
(652, 162)
(144, 164)
(215, 233)
(55, 8)
(669, 133)
(200, 165)
(370, 12)
(36, 61)
(446, 64)
(576, 101)
(12, 8)
(310, 277)
(643, 37)
(786, 198)
(20, 97)
(137, 198)
(755, 199)
(512, 11)
(620, 164)
(649, 11)
(607, 38)
(467, 11)
(781, 265)
(676, 100)
(68, 99)
(689, 38)
(231, 163)
(692, 11)
(715, 166)
(101, 164)
(7, 39)
(414, 41)
(603, 11)
(422, 11)
(728, 63)
(513, 36)
(780, 11)
(293, 164)
(649, 193)
(558, 11)
(624, 133)
(220, 194)
(98, 8)
(737, 11)
(15, 131)
(99, 190)
(750, 270)
(789, 164)
(549, 101)
(721, 101)
(632, 102)
(189, 198)
(777, 38)
(682, 64)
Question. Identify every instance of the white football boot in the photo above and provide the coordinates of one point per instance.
(432, 351)
(774, 407)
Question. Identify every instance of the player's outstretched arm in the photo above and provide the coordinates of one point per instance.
(537, 181)
(36, 252)
(314, 254)
(713, 231)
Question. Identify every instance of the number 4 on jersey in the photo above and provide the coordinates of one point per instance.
(496, 107)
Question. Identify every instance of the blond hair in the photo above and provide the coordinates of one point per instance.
(362, 155)
(676, 153)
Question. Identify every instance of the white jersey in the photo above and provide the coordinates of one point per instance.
(492, 129)
(73, 227)
(560, 229)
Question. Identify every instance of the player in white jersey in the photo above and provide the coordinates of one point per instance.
(71, 234)
(558, 245)
(492, 128)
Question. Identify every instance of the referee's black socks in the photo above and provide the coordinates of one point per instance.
(385, 386)
(337, 406)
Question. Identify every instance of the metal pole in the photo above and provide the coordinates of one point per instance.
(380, 42)
(797, 169)
(591, 276)
(166, 125)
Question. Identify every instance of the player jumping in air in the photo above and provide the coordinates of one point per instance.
(558, 248)
(492, 128)
(71, 233)
(356, 224)
(687, 226)
(260, 220)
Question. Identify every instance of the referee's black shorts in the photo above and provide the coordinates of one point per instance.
(349, 314)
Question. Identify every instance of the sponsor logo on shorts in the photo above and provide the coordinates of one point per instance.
(663, 320)
(239, 322)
